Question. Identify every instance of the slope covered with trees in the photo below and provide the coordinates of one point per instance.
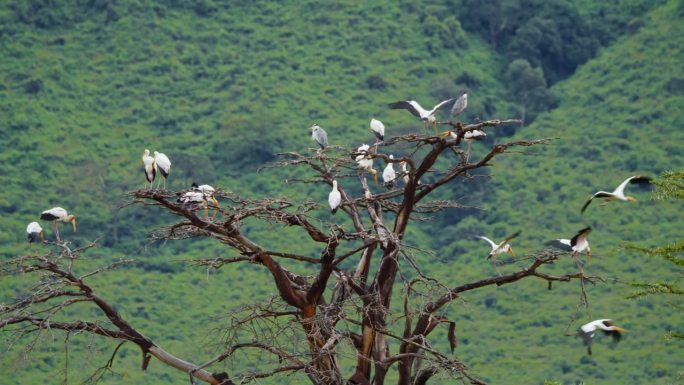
(222, 87)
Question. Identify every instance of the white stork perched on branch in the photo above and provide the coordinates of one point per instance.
(162, 163)
(58, 214)
(35, 232)
(150, 168)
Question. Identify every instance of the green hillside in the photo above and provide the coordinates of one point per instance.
(221, 88)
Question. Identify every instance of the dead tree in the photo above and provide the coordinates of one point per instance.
(326, 295)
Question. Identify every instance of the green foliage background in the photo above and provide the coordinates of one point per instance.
(221, 87)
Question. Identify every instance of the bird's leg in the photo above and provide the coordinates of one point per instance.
(577, 261)
(496, 267)
(55, 227)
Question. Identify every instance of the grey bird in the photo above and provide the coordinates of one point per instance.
(319, 136)
(459, 105)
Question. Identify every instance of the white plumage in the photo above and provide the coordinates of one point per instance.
(588, 331)
(150, 168)
(500, 248)
(334, 198)
(365, 161)
(162, 163)
(35, 232)
(58, 214)
(619, 192)
(416, 109)
(378, 129)
(209, 194)
(389, 175)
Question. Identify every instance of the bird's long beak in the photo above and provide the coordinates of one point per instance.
(375, 178)
(620, 329)
(445, 133)
(73, 223)
(588, 255)
(216, 206)
(42, 237)
(510, 251)
(631, 199)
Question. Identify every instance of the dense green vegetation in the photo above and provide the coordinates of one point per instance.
(222, 87)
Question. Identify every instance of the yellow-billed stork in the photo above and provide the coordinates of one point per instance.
(35, 232)
(163, 163)
(588, 331)
(619, 192)
(468, 137)
(365, 161)
(150, 169)
(210, 193)
(576, 245)
(389, 175)
(58, 214)
(499, 248)
(378, 129)
(416, 109)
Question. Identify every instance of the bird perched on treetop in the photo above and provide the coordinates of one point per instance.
(334, 198)
(162, 163)
(319, 136)
(389, 175)
(58, 214)
(378, 129)
(459, 105)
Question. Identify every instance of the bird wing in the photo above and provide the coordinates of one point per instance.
(411, 105)
(561, 244)
(600, 194)
(581, 235)
(440, 105)
(494, 245)
(510, 237)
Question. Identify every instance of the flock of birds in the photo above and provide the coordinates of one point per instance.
(203, 196)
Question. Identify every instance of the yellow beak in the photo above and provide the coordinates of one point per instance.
(445, 133)
(375, 178)
(42, 237)
(620, 329)
(73, 223)
(510, 251)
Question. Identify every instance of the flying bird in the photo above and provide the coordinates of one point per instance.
(619, 193)
(35, 232)
(150, 168)
(576, 245)
(389, 175)
(500, 248)
(319, 136)
(334, 198)
(58, 214)
(459, 105)
(468, 137)
(209, 193)
(416, 109)
(378, 129)
(365, 161)
(588, 331)
(162, 163)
